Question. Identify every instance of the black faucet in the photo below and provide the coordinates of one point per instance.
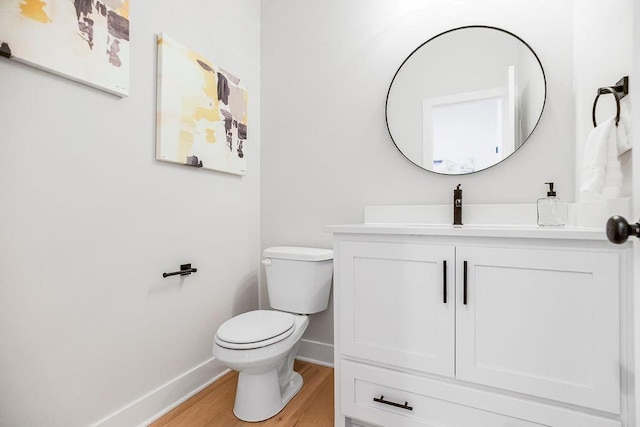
(457, 206)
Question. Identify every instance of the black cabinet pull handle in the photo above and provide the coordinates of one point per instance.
(444, 281)
(464, 283)
(397, 405)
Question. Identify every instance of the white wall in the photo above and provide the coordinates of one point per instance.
(326, 67)
(89, 221)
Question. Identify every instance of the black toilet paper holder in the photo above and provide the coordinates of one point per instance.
(185, 270)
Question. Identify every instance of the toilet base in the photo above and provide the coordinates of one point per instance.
(291, 388)
(260, 396)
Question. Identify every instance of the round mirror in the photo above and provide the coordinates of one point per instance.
(465, 100)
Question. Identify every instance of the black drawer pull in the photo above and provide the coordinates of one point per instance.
(397, 405)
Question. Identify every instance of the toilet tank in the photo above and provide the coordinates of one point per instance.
(298, 279)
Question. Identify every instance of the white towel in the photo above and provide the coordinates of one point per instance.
(601, 164)
(612, 185)
(624, 127)
(601, 173)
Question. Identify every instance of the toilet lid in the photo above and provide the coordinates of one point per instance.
(255, 329)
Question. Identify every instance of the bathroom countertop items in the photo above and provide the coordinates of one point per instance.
(481, 218)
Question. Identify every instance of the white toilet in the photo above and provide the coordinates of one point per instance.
(262, 345)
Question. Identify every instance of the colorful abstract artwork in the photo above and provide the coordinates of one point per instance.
(202, 111)
(83, 40)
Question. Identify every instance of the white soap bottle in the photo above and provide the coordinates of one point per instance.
(551, 211)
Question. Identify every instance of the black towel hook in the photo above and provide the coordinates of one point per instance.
(619, 91)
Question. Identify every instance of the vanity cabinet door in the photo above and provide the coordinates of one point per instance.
(394, 306)
(541, 322)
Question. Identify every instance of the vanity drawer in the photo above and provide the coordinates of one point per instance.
(361, 384)
(415, 401)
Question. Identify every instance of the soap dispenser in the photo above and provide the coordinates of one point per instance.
(551, 211)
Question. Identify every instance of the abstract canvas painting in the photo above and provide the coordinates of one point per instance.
(83, 40)
(202, 111)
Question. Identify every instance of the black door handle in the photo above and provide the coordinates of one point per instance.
(619, 230)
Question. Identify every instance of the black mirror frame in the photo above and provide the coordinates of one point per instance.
(544, 101)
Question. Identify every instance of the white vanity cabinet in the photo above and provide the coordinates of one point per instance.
(398, 305)
(468, 330)
(541, 322)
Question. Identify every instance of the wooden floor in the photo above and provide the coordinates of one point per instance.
(213, 406)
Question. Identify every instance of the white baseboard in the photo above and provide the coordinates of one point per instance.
(153, 405)
(316, 352)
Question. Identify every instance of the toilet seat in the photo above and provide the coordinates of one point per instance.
(255, 329)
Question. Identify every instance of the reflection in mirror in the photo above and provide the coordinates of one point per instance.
(465, 100)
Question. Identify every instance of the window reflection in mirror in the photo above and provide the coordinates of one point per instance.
(468, 134)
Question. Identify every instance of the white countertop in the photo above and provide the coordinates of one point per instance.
(586, 221)
(482, 230)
